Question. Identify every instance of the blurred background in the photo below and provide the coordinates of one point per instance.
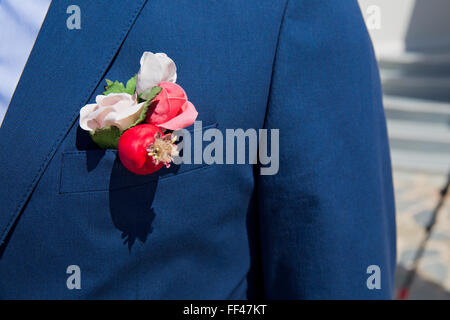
(412, 44)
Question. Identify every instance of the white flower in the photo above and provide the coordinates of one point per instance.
(116, 109)
(155, 68)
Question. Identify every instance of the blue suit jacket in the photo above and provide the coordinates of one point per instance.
(200, 231)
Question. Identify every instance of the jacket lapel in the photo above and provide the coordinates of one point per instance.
(62, 72)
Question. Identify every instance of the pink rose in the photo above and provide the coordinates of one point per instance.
(170, 109)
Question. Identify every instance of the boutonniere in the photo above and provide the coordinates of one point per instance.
(139, 118)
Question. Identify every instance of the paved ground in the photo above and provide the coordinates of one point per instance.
(417, 194)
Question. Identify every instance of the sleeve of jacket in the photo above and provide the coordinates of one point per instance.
(328, 216)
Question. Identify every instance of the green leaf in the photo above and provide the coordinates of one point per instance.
(131, 85)
(113, 87)
(149, 95)
(106, 138)
(118, 87)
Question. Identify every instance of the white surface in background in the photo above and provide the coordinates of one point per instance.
(424, 23)
(20, 24)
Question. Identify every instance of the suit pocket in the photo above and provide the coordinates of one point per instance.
(101, 170)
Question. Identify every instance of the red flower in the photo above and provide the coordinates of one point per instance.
(133, 146)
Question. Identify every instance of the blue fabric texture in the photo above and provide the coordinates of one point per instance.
(198, 231)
